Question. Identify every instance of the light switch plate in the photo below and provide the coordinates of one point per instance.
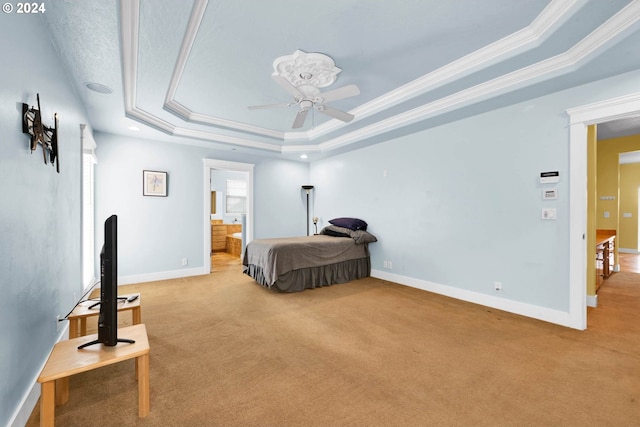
(548, 213)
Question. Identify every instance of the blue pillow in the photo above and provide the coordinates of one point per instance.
(350, 223)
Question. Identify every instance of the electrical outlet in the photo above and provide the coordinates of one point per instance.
(185, 261)
(498, 286)
(387, 264)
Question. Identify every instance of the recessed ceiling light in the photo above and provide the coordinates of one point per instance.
(97, 87)
(134, 128)
(303, 156)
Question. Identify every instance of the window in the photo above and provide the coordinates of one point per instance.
(88, 205)
(236, 197)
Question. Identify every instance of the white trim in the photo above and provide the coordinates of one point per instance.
(629, 251)
(88, 143)
(206, 215)
(527, 38)
(170, 103)
(611, 109)
(552, 16)
(130, 21)
(163, 275)
(578, 225)
(515, 307)
(580, 118)
(557, 65)
(592, 301)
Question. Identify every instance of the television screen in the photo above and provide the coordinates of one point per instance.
(108, 318)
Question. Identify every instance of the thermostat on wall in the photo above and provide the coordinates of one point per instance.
(550, 194)
(549, 177)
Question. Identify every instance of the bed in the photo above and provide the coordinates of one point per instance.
(292, 264)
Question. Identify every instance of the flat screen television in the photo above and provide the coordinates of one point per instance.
(108, 317)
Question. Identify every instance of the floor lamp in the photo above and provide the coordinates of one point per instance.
(308, 189)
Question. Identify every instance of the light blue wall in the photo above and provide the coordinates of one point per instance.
(155, 233)
(460, 204)
(280, 207)
(40, 228)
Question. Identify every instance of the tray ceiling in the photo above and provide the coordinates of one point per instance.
(187, 71)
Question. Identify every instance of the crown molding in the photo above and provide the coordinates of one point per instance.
(186, 114)
(559, 64)
(130, 18)
(529, 37)
(173, 106)
(525, 39)
(557, 12)
(197, 13)
(613, 109)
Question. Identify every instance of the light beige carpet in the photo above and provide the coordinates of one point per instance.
(228, 352)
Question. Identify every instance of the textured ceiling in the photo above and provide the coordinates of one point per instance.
(187, 71)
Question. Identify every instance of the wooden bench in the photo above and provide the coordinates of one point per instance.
(80, 314)
(66, 360)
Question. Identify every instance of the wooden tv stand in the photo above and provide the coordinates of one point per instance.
(66, 360)
(82, 312)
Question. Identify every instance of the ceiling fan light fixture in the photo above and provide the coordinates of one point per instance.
(302, 68)
(301, 74)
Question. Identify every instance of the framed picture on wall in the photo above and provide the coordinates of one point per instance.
(154, 183)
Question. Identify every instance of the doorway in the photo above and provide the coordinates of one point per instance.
(579, 119)
(208, 166)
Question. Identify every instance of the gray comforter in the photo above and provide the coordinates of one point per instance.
(281, 255)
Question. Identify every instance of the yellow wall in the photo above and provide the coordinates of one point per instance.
(629, 184)
(608, 184)
(592, 199)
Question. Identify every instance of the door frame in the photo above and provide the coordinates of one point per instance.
(579, 118)
(208, 165)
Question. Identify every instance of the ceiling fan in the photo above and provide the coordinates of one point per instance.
(309, 97)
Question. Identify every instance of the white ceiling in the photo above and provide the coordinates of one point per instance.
(186, 71)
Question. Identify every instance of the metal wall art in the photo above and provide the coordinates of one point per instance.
(47, 137)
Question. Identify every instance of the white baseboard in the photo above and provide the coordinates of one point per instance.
(536, 312)
(30, 399)
(629, 251)
(592, 300)
(161, 275)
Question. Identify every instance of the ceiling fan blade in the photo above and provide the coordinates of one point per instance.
(340, 93)
(300, 118)
(335, 113)
(286, 85)
(259, 107)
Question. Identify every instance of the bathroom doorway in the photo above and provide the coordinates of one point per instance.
(227, 213)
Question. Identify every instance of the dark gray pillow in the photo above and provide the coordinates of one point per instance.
(360, 236)
(332, 230)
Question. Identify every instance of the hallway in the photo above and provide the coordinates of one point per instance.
(629, 263)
